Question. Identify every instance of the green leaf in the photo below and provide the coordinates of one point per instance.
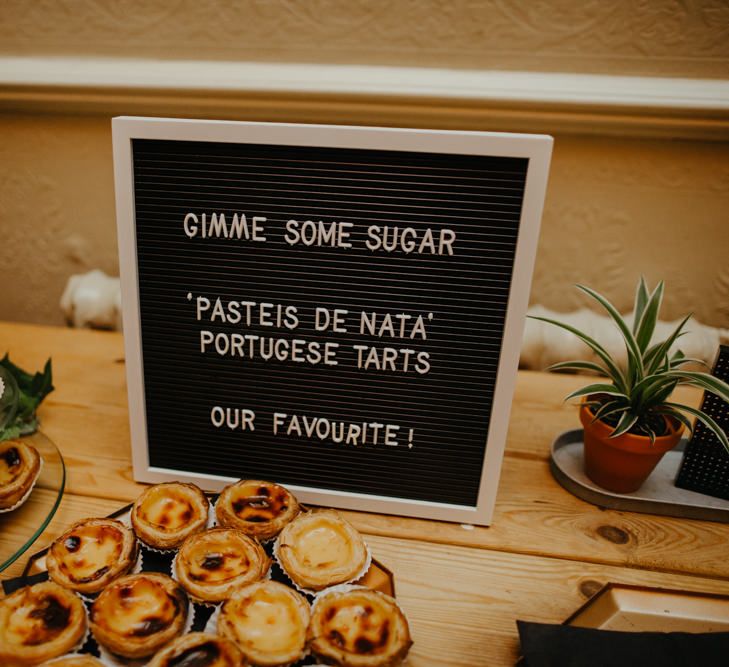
(650, 433)
(673, 412)
(579, 366)
(680, 361)
(609, 408)
(655, 355)
(32, 389)
(706, 420)
(653, 389)
(634, 354)
(704, 381)
(596, 389)
(627, 421)
(649, 317)
(641, 299)
(615, 373)
(10, 432)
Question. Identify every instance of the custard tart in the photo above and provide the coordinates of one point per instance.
(166, 514)
(199, 649)
(319, 549)
(38, 623)
(260, 509)
(210, 563)
(138, 614)
(92, 553)
(79, 660)
(19, 468)
(359, 628)
(267, 621)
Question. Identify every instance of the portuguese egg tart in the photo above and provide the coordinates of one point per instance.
(165, 514)
(209, 564)
(38, 623)
(267, 621)
(92, 553)
(260, 509)
(359, 628)
(80, 660)
(199, 649)
(19, 467)
(319, 549)
(137, 614)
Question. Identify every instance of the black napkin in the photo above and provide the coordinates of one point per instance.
(544, 645)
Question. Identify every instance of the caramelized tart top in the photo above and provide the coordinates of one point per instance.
(320, 549)
(219, 556)
(256, 507)
(168, 508)
(12, 463)
(268, 621)
(139, 605)
(40, 614)
(91, 549)
(198, 649)
(359, 623)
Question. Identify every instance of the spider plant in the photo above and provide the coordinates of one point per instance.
(637, 398)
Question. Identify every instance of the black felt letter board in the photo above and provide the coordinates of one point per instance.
(447, 408)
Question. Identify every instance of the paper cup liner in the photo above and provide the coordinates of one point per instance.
(312, 593)
(26, 495)
(112, 660)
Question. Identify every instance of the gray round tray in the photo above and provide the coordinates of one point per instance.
(658, 495)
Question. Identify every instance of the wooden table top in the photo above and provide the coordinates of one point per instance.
(462, 587)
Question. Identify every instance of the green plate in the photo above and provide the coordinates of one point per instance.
(22, 526)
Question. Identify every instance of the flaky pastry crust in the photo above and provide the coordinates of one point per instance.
(201, 650)
(359, 628)
(75, 661)
(91, 554)
(166, 514)
(19, 467)
(38, 623)
(210, 564)
(138, 614)
(260, 509)
(268, 622)
(319, 549)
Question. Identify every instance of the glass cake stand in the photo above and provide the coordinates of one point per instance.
(20, 527)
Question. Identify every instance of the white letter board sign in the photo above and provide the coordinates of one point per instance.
(338, 309)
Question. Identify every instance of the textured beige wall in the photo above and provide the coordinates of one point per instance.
(646, 37)
(615, 207)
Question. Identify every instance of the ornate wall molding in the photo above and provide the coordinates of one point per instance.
(371, 95)
(670, 38)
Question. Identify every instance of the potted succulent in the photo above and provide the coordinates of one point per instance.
(630, 421)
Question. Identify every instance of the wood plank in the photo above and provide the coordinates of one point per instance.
(462, 602)
(87, 418)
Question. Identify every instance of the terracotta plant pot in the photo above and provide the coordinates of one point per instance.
(622, 464)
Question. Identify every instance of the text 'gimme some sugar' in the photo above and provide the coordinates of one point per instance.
(381, 238)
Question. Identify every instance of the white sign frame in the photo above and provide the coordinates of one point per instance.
(537, 148)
